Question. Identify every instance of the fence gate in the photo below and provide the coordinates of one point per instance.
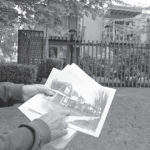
(30, 46)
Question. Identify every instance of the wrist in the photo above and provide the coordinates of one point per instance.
(23, 93)
(15, 92)
(42, 129)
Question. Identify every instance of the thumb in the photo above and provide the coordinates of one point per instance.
(64, 111)
(45, 90)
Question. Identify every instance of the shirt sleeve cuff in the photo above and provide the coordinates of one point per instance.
(13, 92)
(40, 131)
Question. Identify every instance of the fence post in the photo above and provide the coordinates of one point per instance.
(73, 35)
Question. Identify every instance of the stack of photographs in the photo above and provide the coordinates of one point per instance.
(88, 102)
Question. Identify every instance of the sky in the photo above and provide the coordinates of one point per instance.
(138, 2)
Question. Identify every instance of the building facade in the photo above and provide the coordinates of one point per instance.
(119, 24)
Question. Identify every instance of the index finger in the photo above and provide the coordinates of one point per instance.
(59, 108)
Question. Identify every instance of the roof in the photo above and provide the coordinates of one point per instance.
(123, 12)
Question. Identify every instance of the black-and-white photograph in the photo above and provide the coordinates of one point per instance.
(82, 96)
(74, 74)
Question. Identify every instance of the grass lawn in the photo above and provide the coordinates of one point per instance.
(127, 126)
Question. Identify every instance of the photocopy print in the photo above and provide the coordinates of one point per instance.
(88, 101)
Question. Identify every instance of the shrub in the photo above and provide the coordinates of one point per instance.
(92, 66)
(18, 73)
(46, 67)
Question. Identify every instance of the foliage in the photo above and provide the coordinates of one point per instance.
(18, 73)
(8, 13)
(131, 67)
(92, 66)
(15, 14)
(49, 12)
(45, 68)
(8, 42)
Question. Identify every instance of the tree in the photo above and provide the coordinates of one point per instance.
(18, 13)
(48, 11)
(8, 42)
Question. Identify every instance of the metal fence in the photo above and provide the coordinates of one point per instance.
(111, 64)
(116, 64)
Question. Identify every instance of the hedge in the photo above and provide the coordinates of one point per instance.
(18, 73)
(46, 67)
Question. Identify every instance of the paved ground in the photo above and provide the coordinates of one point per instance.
(127, 126)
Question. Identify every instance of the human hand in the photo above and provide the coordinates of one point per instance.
(55, 120)
(29, 91)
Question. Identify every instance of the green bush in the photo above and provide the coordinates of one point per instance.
(46, 67)
(92, 66)
(18, 73)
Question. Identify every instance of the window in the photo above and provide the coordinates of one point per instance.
(64, 22)
(53, 52)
